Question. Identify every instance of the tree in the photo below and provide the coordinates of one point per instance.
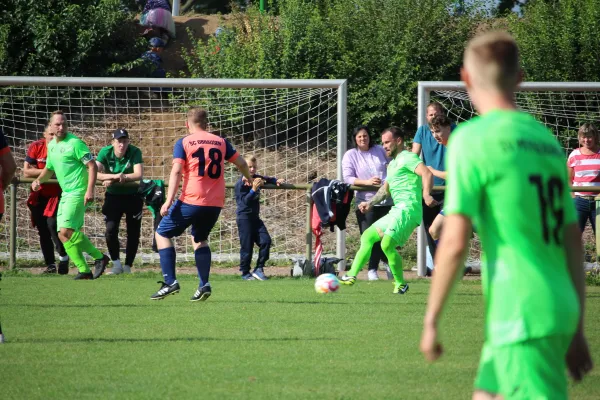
(67, 38)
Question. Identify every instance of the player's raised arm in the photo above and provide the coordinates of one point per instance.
(427, 178)
(242, 166)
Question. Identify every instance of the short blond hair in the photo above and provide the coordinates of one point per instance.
(198, 116)
(492, 61)
(57, 112)
(251, 158)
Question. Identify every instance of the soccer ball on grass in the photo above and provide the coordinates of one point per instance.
(327, 283)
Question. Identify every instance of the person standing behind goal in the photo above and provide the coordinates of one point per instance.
(68, 158)
(43, 206)
(200, 159)
(117, 163)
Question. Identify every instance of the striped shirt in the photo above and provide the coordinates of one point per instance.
(586, 170)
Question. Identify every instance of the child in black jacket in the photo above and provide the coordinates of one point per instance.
(251, 228)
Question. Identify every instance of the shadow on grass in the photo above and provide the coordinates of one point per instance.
(168, 340)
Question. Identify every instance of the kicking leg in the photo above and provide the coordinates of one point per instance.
(388, 245)
(370, 236)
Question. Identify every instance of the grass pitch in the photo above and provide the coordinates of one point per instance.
(251, 340)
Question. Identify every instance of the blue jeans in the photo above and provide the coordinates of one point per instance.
(586, 209)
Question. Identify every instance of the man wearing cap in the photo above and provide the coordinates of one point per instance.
(119, 163)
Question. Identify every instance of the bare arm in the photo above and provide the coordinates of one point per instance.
(242, 166)
(382, 194)
(92, 173)
(42, 177)
(138, 173)
(574, 250)
(571, 178)
(449, 258)
(8, 167)
(416, 148)
(174, 180)
(427, 178)
(30, 171)
(102, 175)
(438, 173)
(579, 360)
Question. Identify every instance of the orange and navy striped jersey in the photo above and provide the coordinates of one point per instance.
(203, 156)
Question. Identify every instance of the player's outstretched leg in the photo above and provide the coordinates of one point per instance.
(388, 245)
(166, 252)
(76, 255)
(367, 240)
(83, 245)
(203, 257)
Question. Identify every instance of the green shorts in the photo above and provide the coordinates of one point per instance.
(71, 212)
(399, 223)
(533, 369)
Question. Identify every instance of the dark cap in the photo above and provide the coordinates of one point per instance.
(156, 42)
(120, 133)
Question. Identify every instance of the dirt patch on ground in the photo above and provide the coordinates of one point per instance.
(188, 29)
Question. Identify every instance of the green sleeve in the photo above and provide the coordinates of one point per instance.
(464, 189)
(82, 152)
(412, 161)
(102, 157)
(137, 157)
(49, 164)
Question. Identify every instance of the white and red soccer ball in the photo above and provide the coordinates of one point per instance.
(327, 283)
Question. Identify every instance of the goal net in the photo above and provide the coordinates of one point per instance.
(562, 107)
(290, 126)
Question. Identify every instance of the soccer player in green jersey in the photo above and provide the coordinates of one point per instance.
(68, 157)
(512, 184)
(408, 183)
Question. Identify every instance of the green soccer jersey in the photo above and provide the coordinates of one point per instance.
(507, 173)
(68, 159)
(406, 187)
(114, 165)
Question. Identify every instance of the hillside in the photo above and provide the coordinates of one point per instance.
(201, 26)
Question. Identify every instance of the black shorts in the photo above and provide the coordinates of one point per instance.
(115, 205)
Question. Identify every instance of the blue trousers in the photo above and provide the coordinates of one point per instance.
(586, 210)
(251, 232)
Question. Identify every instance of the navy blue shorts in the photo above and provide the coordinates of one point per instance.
(182, 215)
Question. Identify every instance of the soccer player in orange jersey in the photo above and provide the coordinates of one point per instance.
(199, 158)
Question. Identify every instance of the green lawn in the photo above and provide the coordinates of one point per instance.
(251, 340)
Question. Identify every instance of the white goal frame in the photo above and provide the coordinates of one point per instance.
(424, 93)
(340, 84)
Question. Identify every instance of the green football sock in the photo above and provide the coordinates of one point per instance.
(83, 244)
(388, 245)
(76, 255)
(367, 240)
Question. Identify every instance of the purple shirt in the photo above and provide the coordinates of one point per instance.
(364, 165)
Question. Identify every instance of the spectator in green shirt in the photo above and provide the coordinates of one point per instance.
(119, 163)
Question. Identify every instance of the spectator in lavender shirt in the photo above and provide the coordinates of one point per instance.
(366, 165)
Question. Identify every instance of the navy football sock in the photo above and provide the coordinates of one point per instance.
(167, 264)
(203, 259)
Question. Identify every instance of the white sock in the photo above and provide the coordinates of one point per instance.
(65, 258)
(117, 264)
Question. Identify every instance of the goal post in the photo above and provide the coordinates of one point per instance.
(561, 106)
(296, 128)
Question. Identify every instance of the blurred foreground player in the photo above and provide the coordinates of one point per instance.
(513, 185)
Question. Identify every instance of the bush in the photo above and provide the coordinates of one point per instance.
(383, 47)
(67, 38)
(559, 40)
